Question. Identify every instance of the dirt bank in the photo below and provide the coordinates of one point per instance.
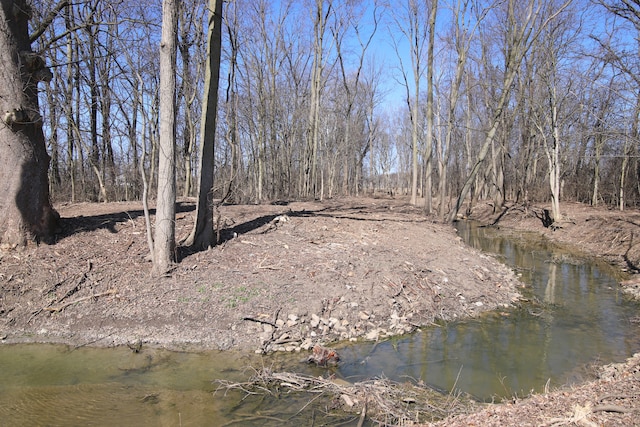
(603, 233)
(284, 276)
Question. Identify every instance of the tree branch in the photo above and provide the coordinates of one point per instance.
(48, 20)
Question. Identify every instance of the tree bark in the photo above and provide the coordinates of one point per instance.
(202, 234)
(25, 209)
(164, 241)
(428, 155)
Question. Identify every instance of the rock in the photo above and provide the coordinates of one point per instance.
(315, 320)
(363, 315)
(373, 335)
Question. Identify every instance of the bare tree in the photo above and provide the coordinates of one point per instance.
(320, 13)
(412, 29)
(428, 155)
(462, 36)
(165, 231)
(524, 22)
(202, 235)
(26, 211)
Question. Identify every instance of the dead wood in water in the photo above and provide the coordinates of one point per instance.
(383, 401)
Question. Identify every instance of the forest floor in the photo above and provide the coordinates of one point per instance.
(288, 276)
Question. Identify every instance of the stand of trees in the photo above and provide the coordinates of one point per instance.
(528, 101)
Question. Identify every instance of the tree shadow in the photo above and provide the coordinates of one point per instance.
(505, 210)
(108, 221)
(632, 267)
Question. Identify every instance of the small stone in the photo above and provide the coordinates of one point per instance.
(363, 315)
(293, 317)
(372, 335)
(279, 323)
(315, 320)
(479, 303)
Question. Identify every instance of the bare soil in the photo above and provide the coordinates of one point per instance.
(287, 276)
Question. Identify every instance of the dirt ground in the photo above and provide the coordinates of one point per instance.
(287, 276)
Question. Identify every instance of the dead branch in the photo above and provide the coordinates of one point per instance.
(378, 397)
(59, 308)
(265, 322)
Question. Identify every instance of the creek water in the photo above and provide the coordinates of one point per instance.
(578, 317)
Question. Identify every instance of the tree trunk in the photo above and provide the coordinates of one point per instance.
(25, 209)
(202, 235)
(428, 155)
(164, 240)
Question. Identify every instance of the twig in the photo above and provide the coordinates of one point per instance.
(266, 322)
(59, 308)
(612, 408)
(363, 415)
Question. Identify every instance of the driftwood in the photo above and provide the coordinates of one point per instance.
(381, 400)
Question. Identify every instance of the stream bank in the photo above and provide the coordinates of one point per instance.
(284, 277)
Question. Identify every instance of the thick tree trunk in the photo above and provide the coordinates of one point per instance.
(202, 235)
(25, 209)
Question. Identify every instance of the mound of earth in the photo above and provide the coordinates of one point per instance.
(284, 276)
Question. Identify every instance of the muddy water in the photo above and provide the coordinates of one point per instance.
(577, 318)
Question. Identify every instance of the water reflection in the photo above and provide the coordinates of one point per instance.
(580, 319)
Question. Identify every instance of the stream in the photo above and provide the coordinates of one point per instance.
(577, 318)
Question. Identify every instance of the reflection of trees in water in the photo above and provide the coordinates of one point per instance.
(550, 289)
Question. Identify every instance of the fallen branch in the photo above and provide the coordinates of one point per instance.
(265, 322)
(61, 307)
(612, 408)
(377, 398)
